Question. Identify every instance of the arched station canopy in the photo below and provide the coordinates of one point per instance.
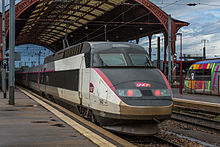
(48, 22)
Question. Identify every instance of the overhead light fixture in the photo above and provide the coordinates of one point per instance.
(141, 29)
(86, 27)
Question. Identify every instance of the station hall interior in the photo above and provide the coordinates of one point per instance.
(42, 35)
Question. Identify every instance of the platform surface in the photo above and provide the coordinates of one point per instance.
(196, 97)
(28, 124)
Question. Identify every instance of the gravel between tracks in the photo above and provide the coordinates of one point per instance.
(190, 131)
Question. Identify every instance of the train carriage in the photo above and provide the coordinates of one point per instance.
(203, 77)
(111, 83)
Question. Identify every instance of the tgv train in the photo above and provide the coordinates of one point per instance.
(110, 83)
(203, 77)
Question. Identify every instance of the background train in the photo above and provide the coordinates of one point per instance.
(110, 83)
(203, 77)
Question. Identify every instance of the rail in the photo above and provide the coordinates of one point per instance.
(198, 121)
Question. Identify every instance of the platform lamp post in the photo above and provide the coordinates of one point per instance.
(181, 63)
(4, 61)
(11, 55)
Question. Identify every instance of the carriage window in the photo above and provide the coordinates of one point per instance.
(140, 59)
(201, 74)
(113, 59)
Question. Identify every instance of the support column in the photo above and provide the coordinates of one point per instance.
(169, 49)
(173, 39)
(12, 56)
(165, 70)
(150, 48)
(158, 52)
(173, 49)
(3, 51)
(165, 45)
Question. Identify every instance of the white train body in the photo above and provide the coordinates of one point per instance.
(129, 99)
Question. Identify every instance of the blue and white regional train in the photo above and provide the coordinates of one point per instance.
(111, 83)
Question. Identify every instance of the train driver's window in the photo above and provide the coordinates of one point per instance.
(140, 59)
(113, 59)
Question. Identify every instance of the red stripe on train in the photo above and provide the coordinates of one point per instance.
(167, 83)
(103, 76)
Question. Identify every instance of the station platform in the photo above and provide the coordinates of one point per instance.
(29, 124)
(196, 97)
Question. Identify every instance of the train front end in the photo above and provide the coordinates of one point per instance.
(133, 96)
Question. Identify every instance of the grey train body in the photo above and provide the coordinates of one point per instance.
(111, 83)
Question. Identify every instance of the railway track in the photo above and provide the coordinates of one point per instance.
(155, 141)
(196, 110)
(166, 142)
(196, 120)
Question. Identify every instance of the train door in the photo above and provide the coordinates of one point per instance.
(84, 83)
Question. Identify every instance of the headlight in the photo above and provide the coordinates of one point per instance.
(161, 92)
(128, 92)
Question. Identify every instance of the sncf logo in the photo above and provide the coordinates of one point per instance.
(91, 88)
(141, 84)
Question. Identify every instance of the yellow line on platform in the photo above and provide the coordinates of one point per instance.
(92, 125)
(98, 140)
(197, 104)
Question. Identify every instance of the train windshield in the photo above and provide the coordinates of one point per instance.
(120, 59)
(113, 59)
(140, 60)
(119, 55)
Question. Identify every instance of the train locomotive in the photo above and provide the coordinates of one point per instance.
(112, 84)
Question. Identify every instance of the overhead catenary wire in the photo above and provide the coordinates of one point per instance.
(121, 24)
(171, 4)
(187, 4)
(107, 23)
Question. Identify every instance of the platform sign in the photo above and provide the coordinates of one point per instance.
(5, 63)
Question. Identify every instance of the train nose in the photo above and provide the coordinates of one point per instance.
(144, 93)
(140, 86)
(142, 89)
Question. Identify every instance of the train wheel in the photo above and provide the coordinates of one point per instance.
(82, 111)
(92, 118)
(42, 94)
(51, 98)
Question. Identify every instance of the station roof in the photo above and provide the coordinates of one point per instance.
(48, 22)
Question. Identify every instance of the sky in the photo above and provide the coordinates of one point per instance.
(204, 19)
